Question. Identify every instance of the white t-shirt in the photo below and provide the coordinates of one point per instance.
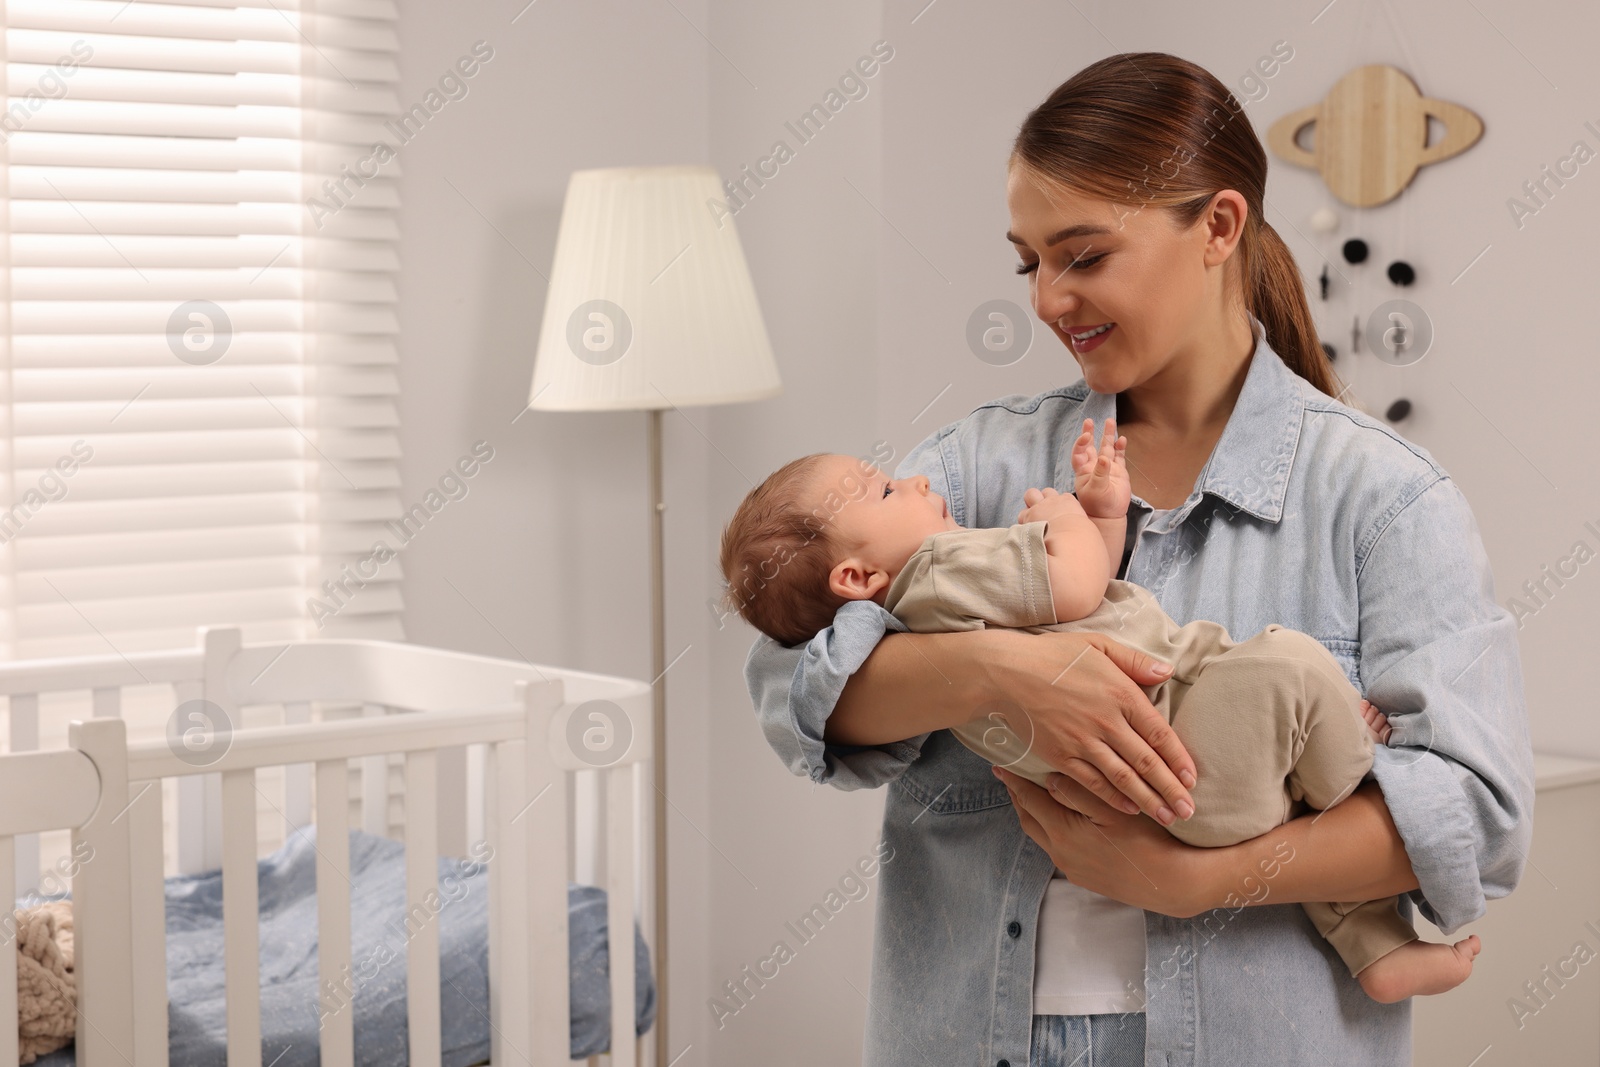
(1089, 953)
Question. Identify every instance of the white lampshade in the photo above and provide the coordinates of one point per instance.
(650, 302)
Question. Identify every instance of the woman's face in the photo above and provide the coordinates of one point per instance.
(1090, 262)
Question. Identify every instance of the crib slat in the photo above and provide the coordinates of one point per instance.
(544, 825)
(107, 703)
(336, 1013)
(219, 646)
(9, 1040)
(148, 902)
(586, 851)
(421, 919)
(508, 928)
(619, 912)
(101, 919)
(478, 794)
(241, 918)
(192, 815)
(25, 738)
(296, 776)
(375, 785)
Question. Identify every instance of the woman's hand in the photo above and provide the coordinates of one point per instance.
(1124, 857)
(1072, 698)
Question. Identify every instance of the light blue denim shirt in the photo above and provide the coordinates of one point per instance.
(1309, 514)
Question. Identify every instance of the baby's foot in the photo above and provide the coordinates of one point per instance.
(1420, 968)
(1377, 722)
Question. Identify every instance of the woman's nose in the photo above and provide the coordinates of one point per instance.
(1053, 299)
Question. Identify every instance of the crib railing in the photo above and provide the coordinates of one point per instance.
(518, 717)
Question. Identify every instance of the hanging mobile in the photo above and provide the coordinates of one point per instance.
(1324, 220)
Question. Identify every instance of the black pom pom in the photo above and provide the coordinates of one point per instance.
(1355, 250)
(1400, 273)
(1398, 410)
(1329, 349)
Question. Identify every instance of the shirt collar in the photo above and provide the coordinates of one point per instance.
(1249, 467)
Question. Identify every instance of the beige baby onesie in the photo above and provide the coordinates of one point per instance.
(1271, 722)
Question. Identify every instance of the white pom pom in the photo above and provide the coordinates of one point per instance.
(1324, 220)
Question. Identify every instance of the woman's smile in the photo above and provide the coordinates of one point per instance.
(1089, 340)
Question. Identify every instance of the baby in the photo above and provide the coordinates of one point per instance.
(1270, 722)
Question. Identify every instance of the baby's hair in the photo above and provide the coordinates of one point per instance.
(776, 555)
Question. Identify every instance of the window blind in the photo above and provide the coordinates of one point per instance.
(198, 409)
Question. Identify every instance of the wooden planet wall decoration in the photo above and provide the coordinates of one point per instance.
(1371, 134)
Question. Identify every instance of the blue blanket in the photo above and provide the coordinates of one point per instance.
(375, 989)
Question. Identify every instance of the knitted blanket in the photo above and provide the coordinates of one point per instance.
(47, 995)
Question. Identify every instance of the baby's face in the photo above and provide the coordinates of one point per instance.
(889, 519)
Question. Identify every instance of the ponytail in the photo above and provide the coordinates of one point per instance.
(1277, 296)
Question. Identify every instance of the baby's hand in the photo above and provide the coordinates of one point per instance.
(1102, 476)
(1046, 505)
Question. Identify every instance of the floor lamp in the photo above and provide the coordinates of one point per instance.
(651, 306)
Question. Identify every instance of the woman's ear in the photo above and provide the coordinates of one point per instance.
(1224, 220)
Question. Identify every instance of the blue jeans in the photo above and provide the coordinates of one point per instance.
(1088, 1040)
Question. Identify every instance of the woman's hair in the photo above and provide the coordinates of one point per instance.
(777, 551)
(1150, 129)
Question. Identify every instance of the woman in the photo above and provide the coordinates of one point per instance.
(1136, 196)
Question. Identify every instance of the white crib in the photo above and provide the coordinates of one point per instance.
(493, 749)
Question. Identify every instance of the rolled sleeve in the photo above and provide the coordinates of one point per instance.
(1440, 658)
(795, 689)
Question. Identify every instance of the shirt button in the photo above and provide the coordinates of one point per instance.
(1014, 929)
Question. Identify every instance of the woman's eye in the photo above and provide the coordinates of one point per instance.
(887, 489)
(1080, 264)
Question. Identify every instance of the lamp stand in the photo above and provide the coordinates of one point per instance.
(658, 687)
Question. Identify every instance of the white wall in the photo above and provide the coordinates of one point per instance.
(546, 558)
(814, 240)
(869, 250)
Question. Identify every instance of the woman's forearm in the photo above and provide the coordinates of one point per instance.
(1350, 852)
(913, 683)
